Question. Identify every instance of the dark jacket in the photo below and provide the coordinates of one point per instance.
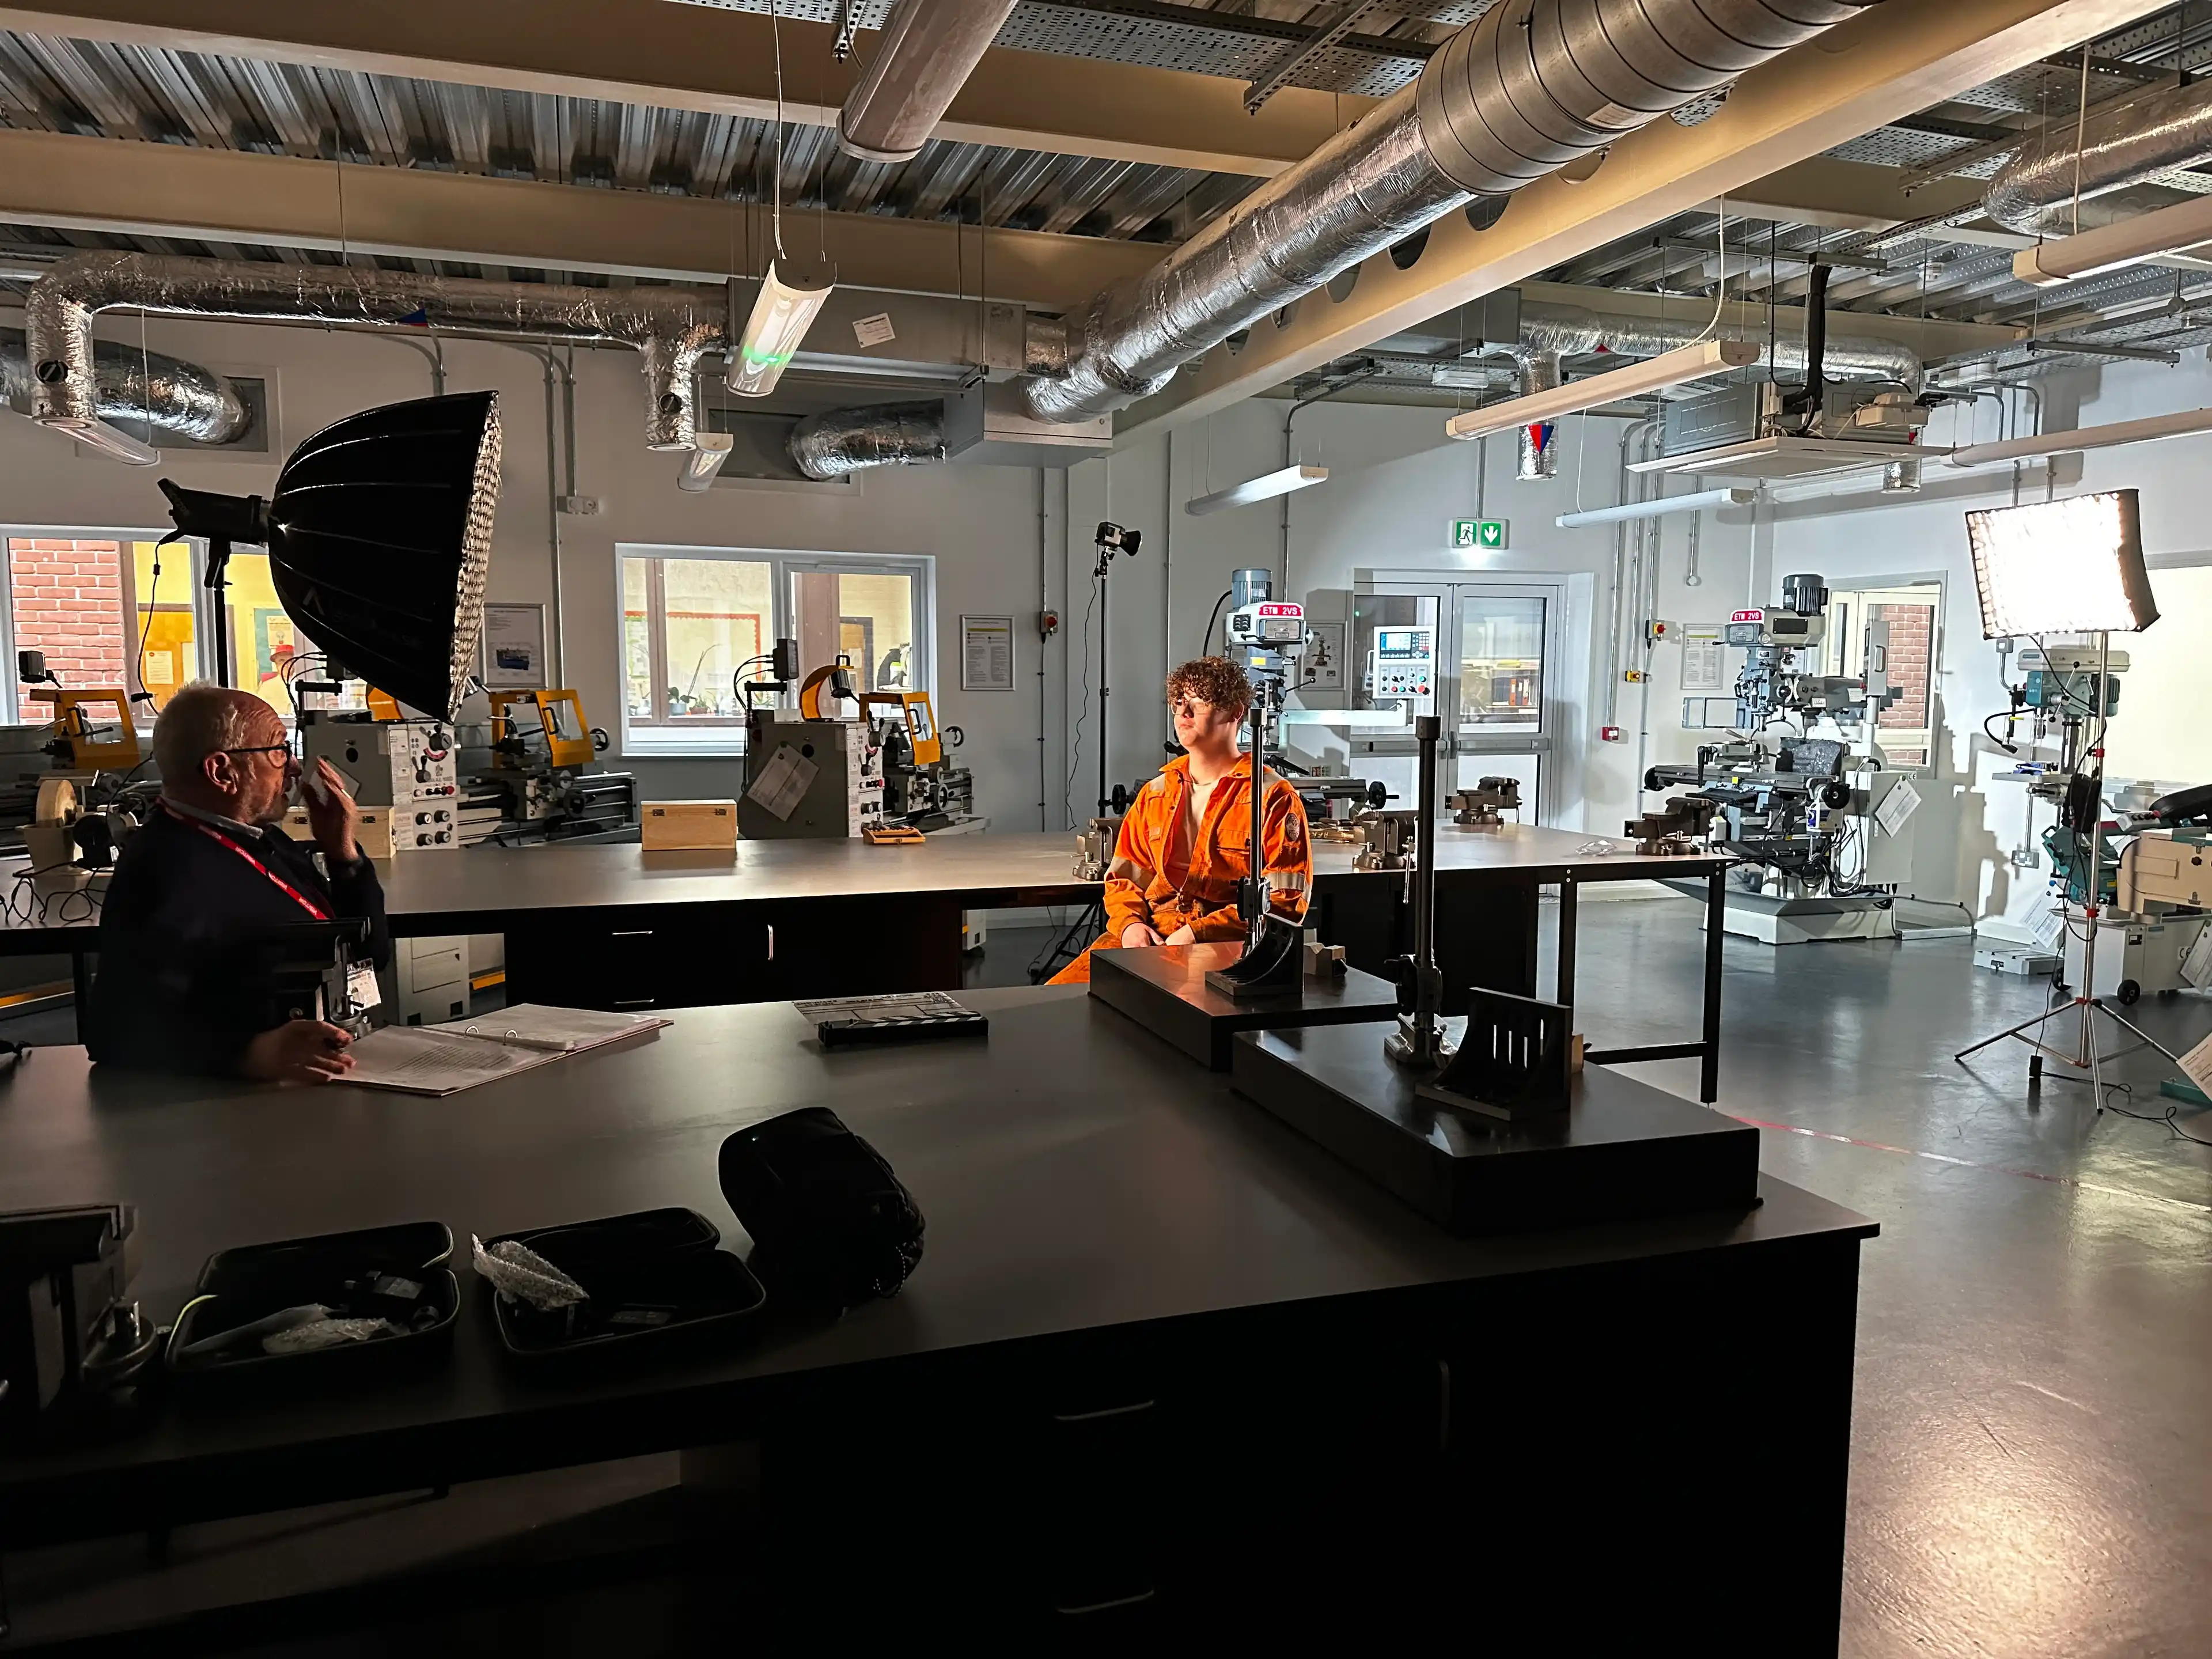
(169, 994)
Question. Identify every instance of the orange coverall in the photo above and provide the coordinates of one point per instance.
(1139, 887)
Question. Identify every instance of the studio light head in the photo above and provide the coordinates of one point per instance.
(2069, 566)
(1112, 538)
(379, 535)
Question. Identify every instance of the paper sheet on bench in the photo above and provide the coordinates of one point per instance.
(422, 1059)
(563, 1030)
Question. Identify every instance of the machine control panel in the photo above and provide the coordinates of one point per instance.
(1405, 663)
(1782, 628)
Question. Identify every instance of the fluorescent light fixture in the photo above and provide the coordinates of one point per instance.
(2069, 567)
(98, 434)
(1658, 508)
(2109, 248)
(1690, 362)
(1262, 489)
(2147, 430)
(782, 313)
(702, 461)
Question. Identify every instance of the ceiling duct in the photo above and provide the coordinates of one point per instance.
(1527, 87)
(839, 441)
(2132, 143)
(176, 398)
(927, 50)
(672, 328)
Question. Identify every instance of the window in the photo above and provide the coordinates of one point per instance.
(1912, 614)
(696, 622)
(85, 600)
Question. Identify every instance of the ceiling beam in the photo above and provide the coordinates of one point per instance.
(132, 189)
(703, 58)
(1884, 64)
(1928, 337)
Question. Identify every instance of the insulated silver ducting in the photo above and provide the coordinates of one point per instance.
(173, 398)
(928, 51)
(2130, 145)
(672, 327)
(1528, 87)
(1572, 332)
(1537, 447)
(841, 441)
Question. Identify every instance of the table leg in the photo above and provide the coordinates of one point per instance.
(80, 988)
(1708, 1076)
(1569, 907)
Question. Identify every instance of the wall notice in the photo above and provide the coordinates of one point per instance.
(1701, 657)
(987, 653)
(515, 645)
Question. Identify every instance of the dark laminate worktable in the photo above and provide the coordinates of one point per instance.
(1116, 1245)
(614, 927)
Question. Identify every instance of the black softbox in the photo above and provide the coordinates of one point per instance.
(379, 535)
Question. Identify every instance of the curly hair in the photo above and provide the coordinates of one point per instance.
(1213, 680)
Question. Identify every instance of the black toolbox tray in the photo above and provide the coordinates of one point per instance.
(239, 1286)
(653, 1277)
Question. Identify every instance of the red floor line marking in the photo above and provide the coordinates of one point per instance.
(1969, 1164)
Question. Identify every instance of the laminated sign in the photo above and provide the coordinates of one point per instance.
(784, 781)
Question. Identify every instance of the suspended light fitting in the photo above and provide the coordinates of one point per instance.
(1264, 487)
(1689, 363)
(785, 309)
(2109, 248)
(1658, 507)
(98, 434)
(702, 461)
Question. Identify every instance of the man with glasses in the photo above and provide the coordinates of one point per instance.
(1184, 845)
(211, 867)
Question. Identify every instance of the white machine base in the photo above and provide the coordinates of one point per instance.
(1774, 921)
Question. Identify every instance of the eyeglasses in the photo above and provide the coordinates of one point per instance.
(1189, 708)
(284, 749)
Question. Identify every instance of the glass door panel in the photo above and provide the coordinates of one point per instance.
(1501, 664)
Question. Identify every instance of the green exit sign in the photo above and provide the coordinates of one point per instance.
(1485, 535)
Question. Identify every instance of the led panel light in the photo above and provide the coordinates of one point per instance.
(2067, 567)
(1690, 362)
(1266, 488)
(98, 434)
(2109, 247)
(782, 313)
(702, 461)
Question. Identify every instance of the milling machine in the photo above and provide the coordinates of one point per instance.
(1823, 829)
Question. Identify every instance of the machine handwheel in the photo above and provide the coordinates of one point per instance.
(2128, 993)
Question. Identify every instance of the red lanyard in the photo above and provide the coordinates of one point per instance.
(275, 880)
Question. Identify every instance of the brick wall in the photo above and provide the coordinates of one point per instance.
(1912, 668)
(69, 604)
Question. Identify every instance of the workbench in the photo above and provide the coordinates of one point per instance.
(614, 927)
(1161, 1351)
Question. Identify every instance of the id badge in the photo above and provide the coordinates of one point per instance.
(361, 987)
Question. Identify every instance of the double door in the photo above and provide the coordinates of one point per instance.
(1482, 655)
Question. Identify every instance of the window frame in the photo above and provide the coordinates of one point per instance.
(205, 619)
(716, 737)
(1844, 653)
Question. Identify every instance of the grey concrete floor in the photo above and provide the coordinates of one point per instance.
(2032, 1448)
(2032, 1444)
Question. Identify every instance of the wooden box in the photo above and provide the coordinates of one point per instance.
(688, 826)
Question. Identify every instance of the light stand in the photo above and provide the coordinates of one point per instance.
(1419, 1040)
(1269, 965)
(2088, 1056)
(1112, 538)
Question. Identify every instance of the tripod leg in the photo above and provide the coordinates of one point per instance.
(2014, 1030)
(2138, 1031)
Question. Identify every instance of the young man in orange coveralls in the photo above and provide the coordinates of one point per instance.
(1183, 845)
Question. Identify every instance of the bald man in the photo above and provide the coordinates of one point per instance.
(211, 867)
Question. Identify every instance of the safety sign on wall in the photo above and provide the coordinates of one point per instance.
(1483, 535)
